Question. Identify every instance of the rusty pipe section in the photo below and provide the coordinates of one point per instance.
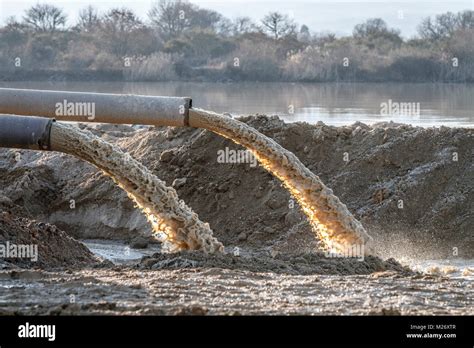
(97, 107)
(31, 133)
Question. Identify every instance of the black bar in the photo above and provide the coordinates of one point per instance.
(195, 330)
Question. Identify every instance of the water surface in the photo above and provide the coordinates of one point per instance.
(332, 103)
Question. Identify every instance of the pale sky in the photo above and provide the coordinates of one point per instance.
(319, 15)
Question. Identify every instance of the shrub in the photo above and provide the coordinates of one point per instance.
(255, 62)
(80, 55)
(106, 61)
(157, 67)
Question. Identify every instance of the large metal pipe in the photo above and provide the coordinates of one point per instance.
(97, 107)
(31, 133)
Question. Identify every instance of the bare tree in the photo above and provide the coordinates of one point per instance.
(12, 36)
(441, 27)
(118, 28)
(205, 19)
(427, 29)
(278, 25)
(444, 25)
(12, 25)
(371, 27)
(466, 19)
(224, 26)
(44, 18)
(376, 29)
(304, 35)
(171, 17)
(88, 19)
(121, 20)
(243, 25)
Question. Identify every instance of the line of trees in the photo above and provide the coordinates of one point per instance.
(181, 41)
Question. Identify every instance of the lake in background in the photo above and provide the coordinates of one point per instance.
(332, 103)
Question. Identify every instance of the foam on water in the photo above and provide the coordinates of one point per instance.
(456, 268)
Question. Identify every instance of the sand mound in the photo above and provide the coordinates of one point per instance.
(31, 244)
(371, 169)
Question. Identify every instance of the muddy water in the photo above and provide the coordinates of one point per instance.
(228, 290)
(124, 290)
(335, 226)
(165, 211)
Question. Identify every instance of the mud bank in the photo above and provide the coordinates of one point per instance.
(371, 169)
(303, 264)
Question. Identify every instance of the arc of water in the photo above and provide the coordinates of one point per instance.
(334, 224)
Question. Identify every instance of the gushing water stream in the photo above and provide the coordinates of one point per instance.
(329, 217)
(335, 226)
(165, 211)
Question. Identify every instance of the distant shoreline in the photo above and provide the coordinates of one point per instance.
(119, 75)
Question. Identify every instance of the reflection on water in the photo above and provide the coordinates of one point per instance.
(335, 104)
(118, 252)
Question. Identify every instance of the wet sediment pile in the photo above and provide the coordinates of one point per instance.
(32, 244)
(294, 264)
